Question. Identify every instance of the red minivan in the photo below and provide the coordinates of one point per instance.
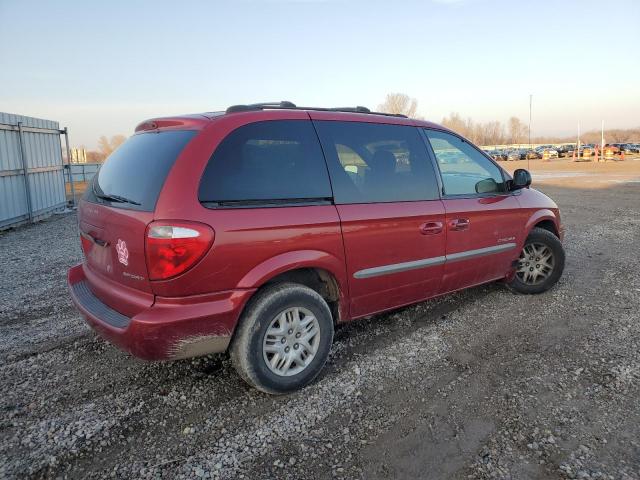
(258, 229)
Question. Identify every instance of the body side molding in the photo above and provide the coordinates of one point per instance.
(430, 262)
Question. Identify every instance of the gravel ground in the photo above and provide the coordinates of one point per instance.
(478, 384)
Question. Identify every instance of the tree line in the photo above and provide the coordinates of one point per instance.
(515, 131)
(105, 147)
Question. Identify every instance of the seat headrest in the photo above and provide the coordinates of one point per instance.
(383, 162)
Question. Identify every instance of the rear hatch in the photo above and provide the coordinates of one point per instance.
(117, 207)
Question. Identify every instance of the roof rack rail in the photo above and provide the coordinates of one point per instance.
(260, 106)
(286, 105)
(358, 109)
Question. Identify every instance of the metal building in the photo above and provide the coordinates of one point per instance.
(31, 171)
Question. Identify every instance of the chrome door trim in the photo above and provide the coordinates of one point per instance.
(433, 261)
(399, 267)
(480, 252)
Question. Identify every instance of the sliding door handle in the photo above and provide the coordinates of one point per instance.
(459, 224)
(431, 228)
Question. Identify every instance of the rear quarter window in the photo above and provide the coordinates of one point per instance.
(275, 162)
(137, 170)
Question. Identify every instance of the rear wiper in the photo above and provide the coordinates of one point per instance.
(116, 198)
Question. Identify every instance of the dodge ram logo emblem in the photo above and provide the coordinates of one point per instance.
(123, 253)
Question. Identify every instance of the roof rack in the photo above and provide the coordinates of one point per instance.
(286, 105)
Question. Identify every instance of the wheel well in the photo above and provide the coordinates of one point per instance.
(547, 225)
(318, 279)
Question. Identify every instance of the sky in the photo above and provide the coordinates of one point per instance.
(100, 68)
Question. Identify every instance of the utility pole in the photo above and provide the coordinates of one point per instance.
(530, 102)
(578, 146)
(602, 142)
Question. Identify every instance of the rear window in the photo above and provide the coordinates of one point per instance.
(272, 163)
(134, 174)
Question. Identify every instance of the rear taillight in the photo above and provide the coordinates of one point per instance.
(174, 247)
(86, 244)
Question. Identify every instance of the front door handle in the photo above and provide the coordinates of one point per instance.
(431, 228)
(459, 224)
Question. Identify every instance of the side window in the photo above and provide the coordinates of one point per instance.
(371, 162)
(272, 162)
(464, 170)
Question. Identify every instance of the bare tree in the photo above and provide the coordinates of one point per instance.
(614, 135)
(94, 157)
(107, 146)
(117, 140)
(493, 133)
(490, 133)
(618, 136)
(399, 103)
(517, 130)
(456, 123)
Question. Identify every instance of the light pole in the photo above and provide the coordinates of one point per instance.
(530, 102)
(578, 146)
(602, 142)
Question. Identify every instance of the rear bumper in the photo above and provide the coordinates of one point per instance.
(171, 328)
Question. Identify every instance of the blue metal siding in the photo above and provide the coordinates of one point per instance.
(43, 156)
(83, 172)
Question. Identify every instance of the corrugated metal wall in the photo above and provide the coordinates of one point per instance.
(43, 158)
(82, 172)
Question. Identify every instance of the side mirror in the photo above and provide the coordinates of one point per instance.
(521, 179)
(488, 185)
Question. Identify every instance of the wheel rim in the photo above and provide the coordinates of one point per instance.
(535, 264)
(291, 341)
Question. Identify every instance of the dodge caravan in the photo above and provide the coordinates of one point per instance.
(257, 230)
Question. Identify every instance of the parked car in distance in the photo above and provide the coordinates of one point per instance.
(587, 150)
(494, 153)
(565, 151)
(513, 155)
(529, 154)
(257, 230)
(614, 147)
(551, 152)
(498, 155)
(489, 152)
(628, 148)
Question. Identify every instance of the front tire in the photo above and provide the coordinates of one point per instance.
(541, 263)
(283, 339)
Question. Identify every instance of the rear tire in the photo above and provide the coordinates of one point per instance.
(283, 339)
(541, 263)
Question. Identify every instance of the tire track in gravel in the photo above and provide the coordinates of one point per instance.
(188, 394)
(295, 418)
(219, 404)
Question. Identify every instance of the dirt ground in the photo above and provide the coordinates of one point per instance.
(562, 172)
(478, 384)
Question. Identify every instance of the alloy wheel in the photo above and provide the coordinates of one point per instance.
(535, 264)
(291, 341)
